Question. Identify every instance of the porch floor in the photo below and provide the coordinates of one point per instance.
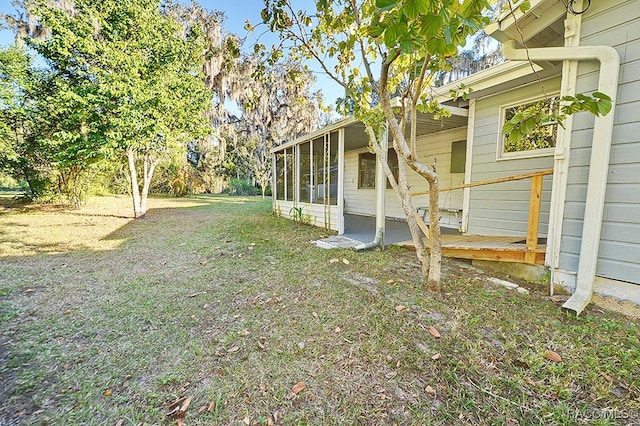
(454, 244)
(482, 247)
(363, 229)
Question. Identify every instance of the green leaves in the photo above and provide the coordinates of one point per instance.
(527, 126)
(597, 104)
(386, 4)
(414, 8)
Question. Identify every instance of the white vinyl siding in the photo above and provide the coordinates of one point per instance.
(503, 209)
(616, 24)
(434, 146)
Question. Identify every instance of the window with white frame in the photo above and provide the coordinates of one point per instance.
(367, 169)
(538, 141)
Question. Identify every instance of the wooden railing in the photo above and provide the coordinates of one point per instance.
(535, 199)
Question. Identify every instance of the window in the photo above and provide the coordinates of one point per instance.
(367, 169)
(280, 175)
(539, 141)
(458, 156)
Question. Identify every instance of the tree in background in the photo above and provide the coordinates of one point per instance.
(136, 71)
(121, 87)
(22, 156)
(278, 104)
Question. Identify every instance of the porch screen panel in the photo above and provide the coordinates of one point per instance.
(318, 167)
(333, 169)
(290, 174)
(280, 176)
(306, 178)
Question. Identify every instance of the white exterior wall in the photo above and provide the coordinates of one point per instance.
(616, 24)
(313, 214)
(434, 146)
(503, 208)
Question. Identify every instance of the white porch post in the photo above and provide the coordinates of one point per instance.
(381, 187)
(340, 181)
(466, 200)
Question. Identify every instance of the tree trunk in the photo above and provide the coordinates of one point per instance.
(404, 193)
(149, 168)
(435, 264)
(138, 213)
(430, 268)
(405, 158)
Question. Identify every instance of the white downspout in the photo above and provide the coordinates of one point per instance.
(381, 192)
(600, 150)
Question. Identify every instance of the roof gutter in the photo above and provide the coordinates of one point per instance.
(600, 151)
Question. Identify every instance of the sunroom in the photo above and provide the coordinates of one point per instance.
(329, 175)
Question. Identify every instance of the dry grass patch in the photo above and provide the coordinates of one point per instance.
(216, 300)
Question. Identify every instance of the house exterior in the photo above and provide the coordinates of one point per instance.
(589, 214)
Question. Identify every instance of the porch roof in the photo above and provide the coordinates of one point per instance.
(355, 136)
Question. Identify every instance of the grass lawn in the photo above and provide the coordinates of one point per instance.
(105, 320)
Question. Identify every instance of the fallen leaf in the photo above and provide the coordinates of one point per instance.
(530, 381)
(436, 357)
(430, 390)
(390, 282)
(553, 356)
(245, 332)
(314, 314)
(434, 332)
(246, 421)
(337, 330)
(212, 407)
(391, 374)
(202, 409)
(67, 312)
(345, 261)
(301, 345)
(298, 387)
(178, 408)
(29, 290)
(400, 308)
(233, 349)
(107, 392)
(334, 260)
(120, 422)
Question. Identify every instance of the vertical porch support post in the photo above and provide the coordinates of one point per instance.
(535, 199)
(274, 179)
(381, 188)
(297, 154)
(468, 167)
(340, 182)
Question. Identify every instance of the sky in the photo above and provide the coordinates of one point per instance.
(236, 12)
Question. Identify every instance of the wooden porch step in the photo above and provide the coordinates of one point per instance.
(481, 247)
